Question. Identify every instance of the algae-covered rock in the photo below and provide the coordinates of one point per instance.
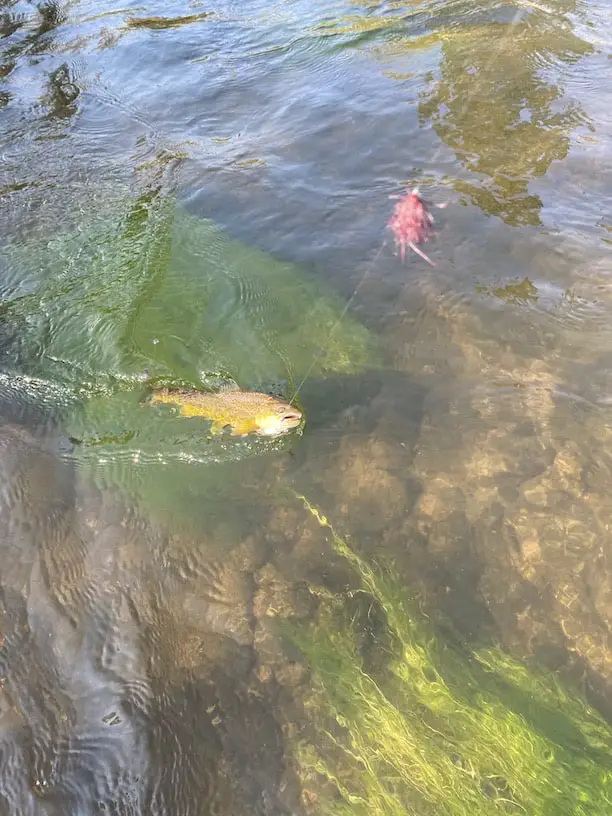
(223, 306)
(143, 290)
(155, 288)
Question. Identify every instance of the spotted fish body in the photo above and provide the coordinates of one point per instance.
(241, 412)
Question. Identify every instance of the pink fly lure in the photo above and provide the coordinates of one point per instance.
(412, 223)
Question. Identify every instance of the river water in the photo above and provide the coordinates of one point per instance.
(201, 189)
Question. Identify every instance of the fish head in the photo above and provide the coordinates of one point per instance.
(281, 418)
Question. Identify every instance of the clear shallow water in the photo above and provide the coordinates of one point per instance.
(203, 195)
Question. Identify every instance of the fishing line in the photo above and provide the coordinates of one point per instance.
(325, 349)
(370, 266)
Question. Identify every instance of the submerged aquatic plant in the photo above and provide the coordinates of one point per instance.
(440, 729)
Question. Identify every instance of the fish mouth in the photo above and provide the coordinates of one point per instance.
(280, 425)
(291, 419)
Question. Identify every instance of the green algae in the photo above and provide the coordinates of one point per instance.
(144, 288)
(439, 728)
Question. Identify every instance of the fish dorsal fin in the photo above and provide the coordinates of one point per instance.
(227, 387)
(217, 382)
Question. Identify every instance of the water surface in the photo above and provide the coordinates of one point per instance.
(200, 192)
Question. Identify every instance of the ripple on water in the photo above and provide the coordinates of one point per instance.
(125, 659)
(568, 294)
(76, 743)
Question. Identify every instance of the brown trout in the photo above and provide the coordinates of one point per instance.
(242, 412)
